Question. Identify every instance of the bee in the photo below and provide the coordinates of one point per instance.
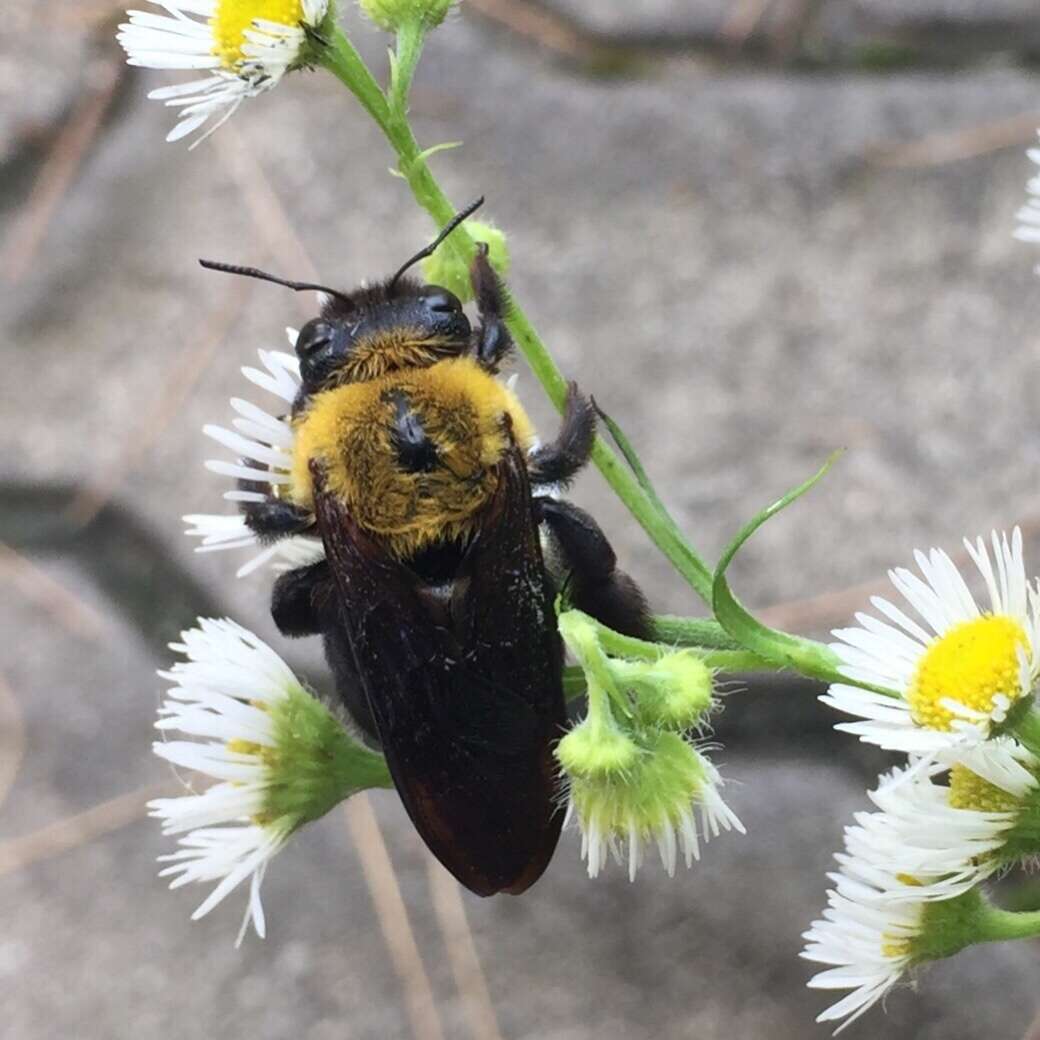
(446, 546)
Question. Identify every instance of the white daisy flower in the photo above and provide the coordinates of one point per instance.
(278, 755)
(955, 674)
(245, 46)
(945, 840)
(867, 935)
(1028, 216)
(262, 445)
(908, 889)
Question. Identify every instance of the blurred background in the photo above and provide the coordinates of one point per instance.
(756, 230)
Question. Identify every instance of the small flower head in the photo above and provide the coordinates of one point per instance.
(278, 755)
(444, 268)
(391, 15)
(676, 691)
(261, 446)
(955, 674)
(246, 46)
(908, 888)
(596, 751)
(651, 802)
(872, 934)
(924, 831)
(907, 891)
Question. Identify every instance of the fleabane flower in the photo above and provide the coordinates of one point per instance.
(261, 443)
(907, 891)
(245, 46)
(279, 756)
(876, 929)
(954, 674)
(947, 838)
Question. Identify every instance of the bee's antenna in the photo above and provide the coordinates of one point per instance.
(255, 272)
(447, 230)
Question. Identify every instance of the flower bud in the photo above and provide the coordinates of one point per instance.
(391, 15)
(651, 802)
(596, 749)
(675, 691)
(444, 268)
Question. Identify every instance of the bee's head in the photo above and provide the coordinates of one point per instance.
(399, 323)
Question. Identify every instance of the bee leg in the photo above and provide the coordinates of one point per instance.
(559, 461)
(296, 599)
(274, 519)
(304, 603)
(491, 339)
(586, 567)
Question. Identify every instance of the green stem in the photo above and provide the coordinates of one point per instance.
(410, 39)
(698, 632)
(994, 925)
(728, 660)
(1027, 730)
(343, 61)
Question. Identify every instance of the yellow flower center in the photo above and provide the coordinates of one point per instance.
(895, 948)
(234, 17)
(237, 746)
(968, 790)
(972, 663)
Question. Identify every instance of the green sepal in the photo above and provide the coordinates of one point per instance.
(1023, 723)
(315, 763)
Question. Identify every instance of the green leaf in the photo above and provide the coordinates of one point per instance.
(624, 445)
(802, 655)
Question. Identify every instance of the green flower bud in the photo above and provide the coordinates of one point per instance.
(444, 268)
(674, 691)
(651, 802)
(392, 14)
(595, 748)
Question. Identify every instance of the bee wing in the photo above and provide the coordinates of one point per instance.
(466, 692)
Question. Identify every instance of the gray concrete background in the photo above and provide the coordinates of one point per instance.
(751, 243)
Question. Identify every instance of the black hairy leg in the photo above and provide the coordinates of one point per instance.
(587, 566)
(558, 461)
(491, 339)
(297, 599)
(274, 519)
(304, 603)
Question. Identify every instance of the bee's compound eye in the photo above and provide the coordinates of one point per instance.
(440, 301)
(314, 337)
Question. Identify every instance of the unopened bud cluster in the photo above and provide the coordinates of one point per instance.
(634, 776)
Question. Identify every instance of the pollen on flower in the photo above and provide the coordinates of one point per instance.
(971, 664)
(234, 17)
(968, 790)
(895, 947)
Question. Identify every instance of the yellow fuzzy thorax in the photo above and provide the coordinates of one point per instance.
(348, 429)
(393, 350)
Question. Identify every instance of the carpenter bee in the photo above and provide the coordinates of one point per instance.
(446, 545)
